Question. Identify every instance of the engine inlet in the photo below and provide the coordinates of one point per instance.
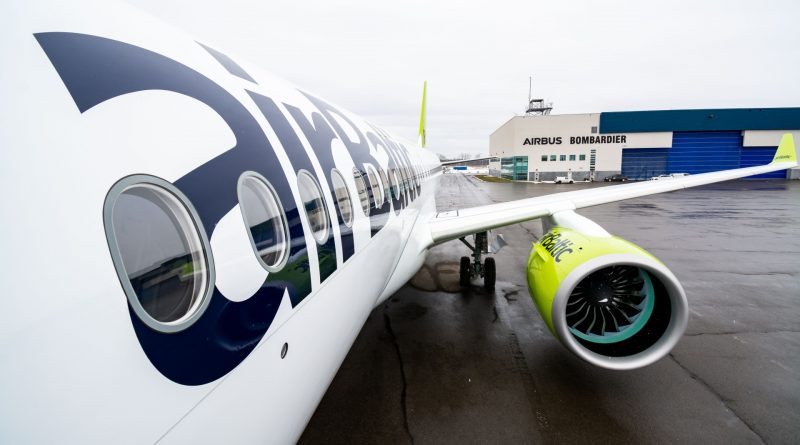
(620, 311)
(611, 304)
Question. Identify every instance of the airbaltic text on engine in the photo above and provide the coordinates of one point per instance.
(555, 245)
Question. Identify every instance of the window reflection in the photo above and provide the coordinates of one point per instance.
(361, 188)
(160, 250)
(395, 184)
(375, 186)
(342, 197)
(314, 206)
(265, 220)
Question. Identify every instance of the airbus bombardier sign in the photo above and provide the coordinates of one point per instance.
(542, 141)
(578, 140)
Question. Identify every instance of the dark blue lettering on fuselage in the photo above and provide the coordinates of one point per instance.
(96, 69)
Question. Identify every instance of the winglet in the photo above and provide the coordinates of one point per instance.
(422, 117)
(785, 152)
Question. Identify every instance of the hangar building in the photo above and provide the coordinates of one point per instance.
(640, 144)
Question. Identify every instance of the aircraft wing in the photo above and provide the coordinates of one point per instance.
(455, 224)
(459, 161)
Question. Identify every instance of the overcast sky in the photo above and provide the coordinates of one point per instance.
(371, 56)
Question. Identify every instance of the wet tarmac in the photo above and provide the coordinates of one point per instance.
(438, 364)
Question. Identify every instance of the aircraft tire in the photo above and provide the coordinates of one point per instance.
(463, 272)
(489, 273)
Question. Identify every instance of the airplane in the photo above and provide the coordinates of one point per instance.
(192, 245)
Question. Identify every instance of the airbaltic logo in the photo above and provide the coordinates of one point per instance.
(556, 246)
(96, 69)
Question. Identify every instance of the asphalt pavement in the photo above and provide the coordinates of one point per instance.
(440, 364)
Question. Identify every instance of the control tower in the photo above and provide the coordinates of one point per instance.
(536, 107)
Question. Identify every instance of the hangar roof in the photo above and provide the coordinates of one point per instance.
(722, 119)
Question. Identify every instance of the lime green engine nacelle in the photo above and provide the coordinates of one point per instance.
(607, 300)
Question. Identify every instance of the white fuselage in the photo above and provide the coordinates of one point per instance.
(72, 367)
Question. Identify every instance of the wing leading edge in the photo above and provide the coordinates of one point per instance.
(459, 161)
(455, 224)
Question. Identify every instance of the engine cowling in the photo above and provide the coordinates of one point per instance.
(607, 300)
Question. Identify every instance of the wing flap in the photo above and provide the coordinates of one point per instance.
(452, 225)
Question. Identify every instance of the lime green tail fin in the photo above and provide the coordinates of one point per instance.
(422, 116)
(786, 152)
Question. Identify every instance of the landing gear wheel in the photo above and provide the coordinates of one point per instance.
(489, 274)
(464, 272)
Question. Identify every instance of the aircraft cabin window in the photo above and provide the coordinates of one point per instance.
(361, 187)
(410, 177)
(404, 180)
(395, 184)
(265, 220)
(386, 190)
(375, 186)
(342, 197)
(314, 206)
(160, 251)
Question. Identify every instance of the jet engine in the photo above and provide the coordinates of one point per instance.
(607, 300)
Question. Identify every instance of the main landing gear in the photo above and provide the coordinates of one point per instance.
(473, 268)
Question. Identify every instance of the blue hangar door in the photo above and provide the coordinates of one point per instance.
(639, 164)
(704, 151)
(697, 152)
